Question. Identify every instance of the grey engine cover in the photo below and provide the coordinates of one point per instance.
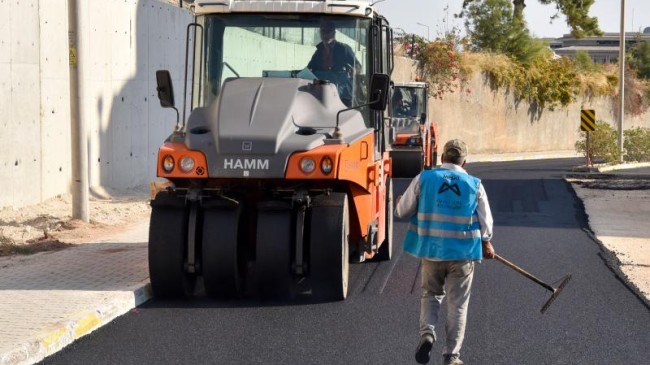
(257, 123)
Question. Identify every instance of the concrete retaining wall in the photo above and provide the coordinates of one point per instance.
(123, 42)
(127, 42)
(23, 124)
(492, 122)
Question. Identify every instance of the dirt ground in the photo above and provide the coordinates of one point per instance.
(49, 225)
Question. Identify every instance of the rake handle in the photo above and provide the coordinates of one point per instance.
(523, 272)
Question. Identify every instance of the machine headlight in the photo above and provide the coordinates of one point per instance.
(307, 165)
(168, 163)
(326, 165)
(187, 164)
(413, 140)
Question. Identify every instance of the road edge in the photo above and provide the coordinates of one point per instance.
(60, 335)
(608, 256)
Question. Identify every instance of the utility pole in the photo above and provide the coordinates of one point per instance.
(78, 127)
(621, 82)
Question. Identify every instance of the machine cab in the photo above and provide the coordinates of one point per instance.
(339, 42)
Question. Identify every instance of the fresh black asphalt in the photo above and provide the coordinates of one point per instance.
(540, 226)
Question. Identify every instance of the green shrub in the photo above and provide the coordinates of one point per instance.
(584, 63)
(502, 71)
(549, 83)
(603, 142)
(545, 82)
(636, 143)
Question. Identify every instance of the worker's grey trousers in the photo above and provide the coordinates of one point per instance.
(456, 277)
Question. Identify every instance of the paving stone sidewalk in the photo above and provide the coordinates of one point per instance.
(50, 299)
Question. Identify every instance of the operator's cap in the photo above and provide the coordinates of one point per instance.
(327, 25)
(455, 148)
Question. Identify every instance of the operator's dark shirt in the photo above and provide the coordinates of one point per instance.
(342, 55)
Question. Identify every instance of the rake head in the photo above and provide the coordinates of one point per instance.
(556, 292)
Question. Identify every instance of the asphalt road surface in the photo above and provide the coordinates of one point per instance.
(539, 226)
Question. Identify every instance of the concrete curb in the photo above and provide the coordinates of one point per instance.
(62, 334)
(623, 166)
(520, 156)
(608, 168)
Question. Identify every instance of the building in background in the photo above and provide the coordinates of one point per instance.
(602, 49)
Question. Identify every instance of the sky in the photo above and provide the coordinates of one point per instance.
(406, 14)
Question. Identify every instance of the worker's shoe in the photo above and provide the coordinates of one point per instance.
(453, 360)
(423, 352)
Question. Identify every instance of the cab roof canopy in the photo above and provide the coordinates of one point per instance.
(339, 7)
(411, 84)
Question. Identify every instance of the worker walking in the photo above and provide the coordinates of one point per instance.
(450, 230)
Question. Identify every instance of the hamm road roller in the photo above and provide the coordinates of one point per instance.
(279, 177)
(415, 143)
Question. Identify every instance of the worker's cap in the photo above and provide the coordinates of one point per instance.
(455, 148)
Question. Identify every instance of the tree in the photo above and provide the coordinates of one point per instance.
(491, 27)
(639, 59)
(576, 12)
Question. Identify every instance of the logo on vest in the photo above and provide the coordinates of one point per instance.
(445, 186)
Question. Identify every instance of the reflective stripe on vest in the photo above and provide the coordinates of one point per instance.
(461, 235)
(447, 218)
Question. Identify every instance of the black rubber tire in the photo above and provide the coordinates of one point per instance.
(273, 250)
(329, 247)
(385, 252)
(221, 254)
(168, 250)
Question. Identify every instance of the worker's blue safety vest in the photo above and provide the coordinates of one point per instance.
(446, 226)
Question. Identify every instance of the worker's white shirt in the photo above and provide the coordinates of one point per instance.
(408, 204)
